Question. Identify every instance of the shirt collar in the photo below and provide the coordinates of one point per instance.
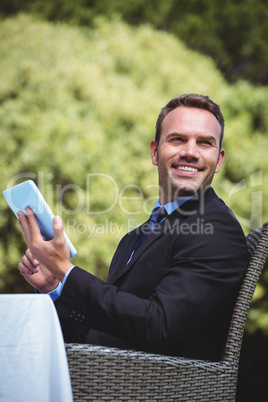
(171, 206)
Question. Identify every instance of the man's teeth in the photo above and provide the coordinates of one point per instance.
(187, 168)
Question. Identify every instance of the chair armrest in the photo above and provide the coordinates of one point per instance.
(99, 372)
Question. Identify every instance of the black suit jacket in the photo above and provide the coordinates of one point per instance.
(177, 293)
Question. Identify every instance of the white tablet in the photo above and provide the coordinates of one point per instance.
(26, 194)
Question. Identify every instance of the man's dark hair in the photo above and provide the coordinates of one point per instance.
(190, 100)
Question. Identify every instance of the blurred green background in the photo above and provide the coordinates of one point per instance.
(81, 86)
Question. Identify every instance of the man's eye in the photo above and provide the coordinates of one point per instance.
(176, 139)
(206, 142)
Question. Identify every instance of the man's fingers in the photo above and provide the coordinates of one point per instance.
(29, 225)
(58, 229)
(31, 232)
(59, 235)
(31, 258)
(32, 224)
(23, 269)
(26, 267)
(23, 222)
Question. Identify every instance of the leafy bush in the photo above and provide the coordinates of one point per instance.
(234, 33)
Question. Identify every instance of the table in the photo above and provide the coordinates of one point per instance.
(33, 363)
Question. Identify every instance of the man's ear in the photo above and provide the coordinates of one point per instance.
(153, 150)
(220, 160)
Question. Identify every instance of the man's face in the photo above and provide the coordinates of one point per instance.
(188, 152)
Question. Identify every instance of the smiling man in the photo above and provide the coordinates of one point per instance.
(172, 285)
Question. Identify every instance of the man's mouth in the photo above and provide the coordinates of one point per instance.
(186, 168)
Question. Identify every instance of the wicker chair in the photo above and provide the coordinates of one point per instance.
(101, 373)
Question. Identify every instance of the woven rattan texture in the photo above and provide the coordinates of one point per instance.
(100, 373)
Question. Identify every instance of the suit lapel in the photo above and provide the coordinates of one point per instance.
(121, 257)
(121, 262)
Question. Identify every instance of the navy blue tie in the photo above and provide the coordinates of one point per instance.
(157, 215)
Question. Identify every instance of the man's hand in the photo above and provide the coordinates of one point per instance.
(36, 274)
(53, 254)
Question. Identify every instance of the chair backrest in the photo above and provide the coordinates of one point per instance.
(258, 249)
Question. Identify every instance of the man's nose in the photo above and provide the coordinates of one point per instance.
(190, 150)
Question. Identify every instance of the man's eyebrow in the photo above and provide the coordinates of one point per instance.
(208, 138)
(176, 134)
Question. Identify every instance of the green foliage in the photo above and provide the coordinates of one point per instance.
(77, 113)
(234, 33)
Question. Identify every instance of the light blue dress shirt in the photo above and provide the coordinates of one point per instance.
(171, 206)
(55, 294)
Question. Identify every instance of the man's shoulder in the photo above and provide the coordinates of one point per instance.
(206, 207)
(203, 202)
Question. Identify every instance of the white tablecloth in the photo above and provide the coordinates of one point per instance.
(33, 363)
